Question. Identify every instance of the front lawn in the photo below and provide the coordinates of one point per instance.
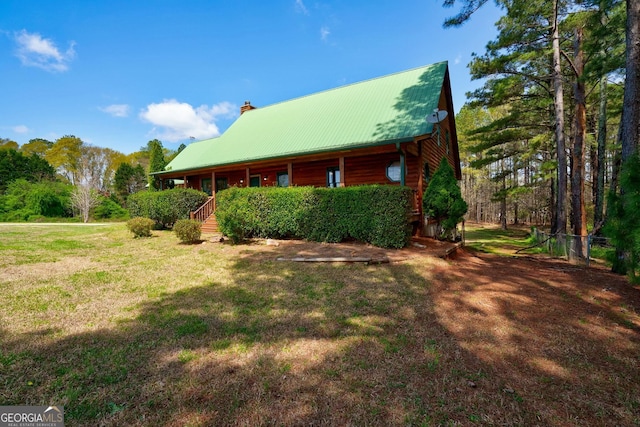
(125, 331)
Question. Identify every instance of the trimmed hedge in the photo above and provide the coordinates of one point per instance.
(167, 206)
(375, 214)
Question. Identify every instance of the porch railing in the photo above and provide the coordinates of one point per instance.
(204, 211)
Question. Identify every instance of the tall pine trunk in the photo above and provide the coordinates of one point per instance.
(599, 165)
(630, 122)
(560, 225)
(578, 210)
(598, 214)
(631, 105)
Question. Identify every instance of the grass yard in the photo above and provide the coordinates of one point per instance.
(492, 239)
(125, 331)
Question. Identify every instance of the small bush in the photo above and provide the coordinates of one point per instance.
(188, 230)
(140, 227)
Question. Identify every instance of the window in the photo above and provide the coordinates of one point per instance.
(393, 171)
(426, 174)
(282, 179)
(254, 181)
(333, 177)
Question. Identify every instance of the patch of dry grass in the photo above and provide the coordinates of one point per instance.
(129, 331)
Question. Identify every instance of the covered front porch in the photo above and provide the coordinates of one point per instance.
(391, 164)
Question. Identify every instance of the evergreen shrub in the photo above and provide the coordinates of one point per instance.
(622, 224)
(375, 214)
(140, 227)
(443, 200)
(167, 206)
(188, 230)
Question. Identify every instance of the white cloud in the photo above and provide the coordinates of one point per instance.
(20, 129)
(178, 121)
(300, 7)
(458, 59)
(35, 51)
(324, 33)
(116, 110)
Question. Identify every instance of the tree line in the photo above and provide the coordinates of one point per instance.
(68, 177)
(551, 136)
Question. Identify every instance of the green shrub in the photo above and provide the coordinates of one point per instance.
(167, 206)
(622, 224)
(188, 230)
(24, 200)
(140, 227)
(375, 214)
(109, 209)
(443, 201)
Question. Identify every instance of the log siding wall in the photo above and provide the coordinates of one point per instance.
(359, 168)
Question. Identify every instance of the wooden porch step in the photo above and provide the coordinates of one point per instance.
(210, 225)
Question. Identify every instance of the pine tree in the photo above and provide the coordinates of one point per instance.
(157, 163)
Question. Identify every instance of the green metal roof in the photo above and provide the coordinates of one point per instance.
(380, 111)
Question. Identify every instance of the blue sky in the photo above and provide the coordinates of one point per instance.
(118, 73)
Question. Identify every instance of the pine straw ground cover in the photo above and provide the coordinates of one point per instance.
(152, 332)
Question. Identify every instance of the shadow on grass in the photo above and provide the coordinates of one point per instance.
(341, 344)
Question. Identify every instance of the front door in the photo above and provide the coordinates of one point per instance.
(221, 184)
(206, 185)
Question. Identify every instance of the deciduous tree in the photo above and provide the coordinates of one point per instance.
(6, 144)
(83, 199)
(37, 146)
(64, 155)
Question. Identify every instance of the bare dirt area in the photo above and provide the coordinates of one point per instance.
(564, 338)
(287, 250)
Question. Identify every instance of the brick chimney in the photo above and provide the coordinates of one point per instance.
(246, 107)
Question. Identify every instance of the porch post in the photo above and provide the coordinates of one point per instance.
(341, 168)
(290, 173)
(185, 182)
(248, 178)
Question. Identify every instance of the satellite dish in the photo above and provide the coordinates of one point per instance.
(437, 116)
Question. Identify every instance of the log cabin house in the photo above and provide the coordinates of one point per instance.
(372, 132)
